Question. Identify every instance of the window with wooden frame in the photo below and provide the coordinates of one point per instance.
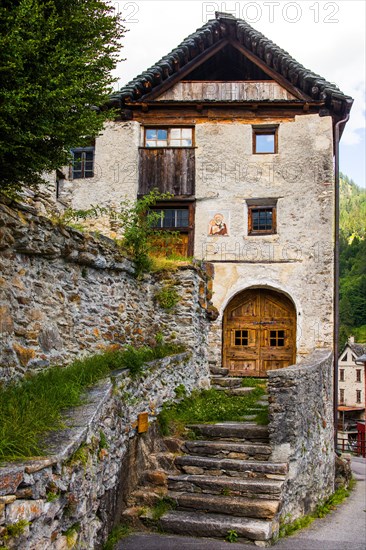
(176, 217)
(262, 216)
(358, 375)
(265, 140)
(82, 165)
(341, 396)
(168, 137)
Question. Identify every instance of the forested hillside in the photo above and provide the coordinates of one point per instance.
(352, 261)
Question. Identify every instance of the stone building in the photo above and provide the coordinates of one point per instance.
(352, 385)
(242, 136)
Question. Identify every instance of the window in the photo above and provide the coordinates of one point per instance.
(262, 216)
(82, 163)
(358, 375)
(168, 137)
(241, 338)
(177, 217)
(277, 338)
(171, 218)
(358, 396)
(264, 139)
(341, 375)
(341, 396)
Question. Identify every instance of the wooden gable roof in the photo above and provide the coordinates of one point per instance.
(223, 31)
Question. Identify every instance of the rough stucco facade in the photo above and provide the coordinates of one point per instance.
(297, 260)
(237, 84)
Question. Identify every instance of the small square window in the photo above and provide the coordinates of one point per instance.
(261, 219)
(241, 337)
(264, 140)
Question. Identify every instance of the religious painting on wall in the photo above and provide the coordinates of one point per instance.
(219, 223)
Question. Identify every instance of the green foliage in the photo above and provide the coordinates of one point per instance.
(207, 406)
(180, 391)
(115, 535)
(137, 221)
(352, 265)
(249, 382)
(56, 65)
(167, 297)
(51, 496)
(162, 506)
(14, 530)
(232, 536)
(103, 443)
(321, 511)
(32, 407)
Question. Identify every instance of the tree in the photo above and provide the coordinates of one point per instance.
(55, 73)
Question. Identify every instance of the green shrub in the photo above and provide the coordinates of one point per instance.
(167, 297)
(33, 407)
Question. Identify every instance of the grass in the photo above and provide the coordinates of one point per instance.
(115, 535)
(208, 406)
(321, 511)
(34, 406)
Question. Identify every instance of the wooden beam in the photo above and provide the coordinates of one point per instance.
(271, 72)
(186, 69)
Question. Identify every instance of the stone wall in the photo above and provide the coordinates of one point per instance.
(73, 496)
(301, 431)
(64, 294)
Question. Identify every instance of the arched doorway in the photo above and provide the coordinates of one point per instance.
(259, 332)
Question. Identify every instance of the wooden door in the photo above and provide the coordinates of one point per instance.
(259, 333)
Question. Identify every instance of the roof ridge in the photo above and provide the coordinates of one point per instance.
(226, 25)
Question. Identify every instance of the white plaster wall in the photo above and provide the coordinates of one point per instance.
(116, 168)
(298, 259)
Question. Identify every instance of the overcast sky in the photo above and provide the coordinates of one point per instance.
(326, 37)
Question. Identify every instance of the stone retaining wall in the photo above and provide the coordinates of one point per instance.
(64, 294)
(72, 497)
(301, 431)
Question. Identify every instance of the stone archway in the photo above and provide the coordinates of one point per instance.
(259, 332)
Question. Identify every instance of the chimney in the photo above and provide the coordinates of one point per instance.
(351, 340)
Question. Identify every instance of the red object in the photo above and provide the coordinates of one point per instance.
(361, 439)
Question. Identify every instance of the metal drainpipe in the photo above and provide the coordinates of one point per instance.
(336, 277)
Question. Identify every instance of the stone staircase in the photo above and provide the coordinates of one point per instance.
(221, 480)
(227, 484)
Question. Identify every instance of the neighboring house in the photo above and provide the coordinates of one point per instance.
(351, 387)
(242, 136)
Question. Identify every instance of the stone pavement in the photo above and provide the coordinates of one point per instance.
(343, 529)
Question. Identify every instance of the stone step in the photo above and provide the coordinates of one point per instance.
(223, 485)
(219, 371)
(240, 391)
(226, 449)
(243, 431)
(215, 525)
(232, 506)
(199, 465)
(233, 391)
(227, 382)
